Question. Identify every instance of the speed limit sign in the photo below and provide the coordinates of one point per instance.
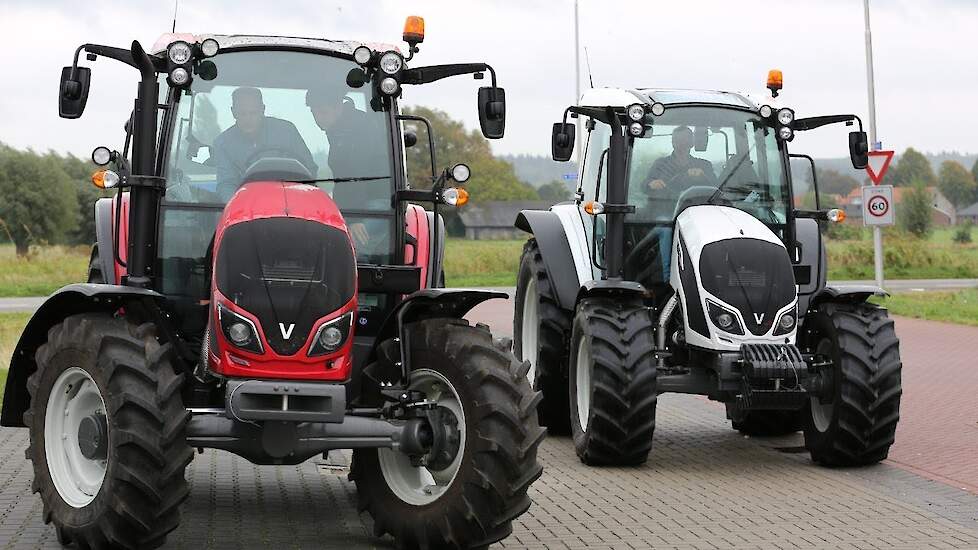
(878, 205)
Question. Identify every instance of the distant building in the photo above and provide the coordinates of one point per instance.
(494, 219)
(969, 214)
(943, 212)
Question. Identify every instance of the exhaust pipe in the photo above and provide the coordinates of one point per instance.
(660, 334)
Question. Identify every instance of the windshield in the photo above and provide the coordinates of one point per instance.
(696, 155)
(280, 115)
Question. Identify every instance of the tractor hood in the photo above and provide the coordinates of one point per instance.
(726, 260)
(283, 254)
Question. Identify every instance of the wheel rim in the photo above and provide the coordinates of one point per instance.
(822, 412)
(419, 485)
(74, 397)
(529, 331)
(584, 389)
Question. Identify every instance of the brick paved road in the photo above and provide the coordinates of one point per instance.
(704, 487)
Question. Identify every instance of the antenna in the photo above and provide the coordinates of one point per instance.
(587, 59)
(176, 6)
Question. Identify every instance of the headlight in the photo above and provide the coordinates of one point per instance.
(636, 129)
(238, 330)
(658, 109)
(389, 86)
(786, 323)
(461, 173)
(209, 47)
(179, 76)
(786, 134)
(179, 53)
(332, 335)
(724, 319)
(766, 111)
(786, 117)
(636, 112)
(101, 156)
(362, 55)
(391, 63)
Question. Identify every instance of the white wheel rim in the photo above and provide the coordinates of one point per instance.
(73, 397)
(584, 389)
(822, 412)
(529, 332)
(419, 485)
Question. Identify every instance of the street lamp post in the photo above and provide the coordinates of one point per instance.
(874, 144)
(577, 87)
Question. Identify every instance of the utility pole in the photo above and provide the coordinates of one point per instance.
(577, 89)
(873, 143)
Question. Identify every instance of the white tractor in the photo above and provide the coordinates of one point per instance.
(691, 261)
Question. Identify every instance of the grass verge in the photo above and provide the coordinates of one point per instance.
(960, 306)
(11, 325)
(43, 271)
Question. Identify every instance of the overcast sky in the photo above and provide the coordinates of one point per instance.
(925, 51)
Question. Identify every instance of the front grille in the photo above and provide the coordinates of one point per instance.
(288, 272)
(746, 277)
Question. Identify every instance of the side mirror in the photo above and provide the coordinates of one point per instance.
(858, 149)
(410, 138)
(73, 94)
(492, 111)
(562, 142)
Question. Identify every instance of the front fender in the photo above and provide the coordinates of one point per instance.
(847, 294)
(70, 300)
(555, 249)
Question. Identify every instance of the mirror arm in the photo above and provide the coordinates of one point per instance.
(810, 123)
(431, 140)
(433, 73)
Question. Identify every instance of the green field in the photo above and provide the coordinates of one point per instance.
(959, 307)
(43, 271)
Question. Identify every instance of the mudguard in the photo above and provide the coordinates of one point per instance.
(430, 303)
(546, 228)
(70, 300)
(628, 289)
(847, 294)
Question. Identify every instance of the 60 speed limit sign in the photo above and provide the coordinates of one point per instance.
(878, 205)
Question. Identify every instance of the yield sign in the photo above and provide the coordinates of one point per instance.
(879, 161)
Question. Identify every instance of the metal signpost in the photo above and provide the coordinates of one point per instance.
(874, 145)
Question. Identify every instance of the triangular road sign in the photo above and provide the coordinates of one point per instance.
(879, 161)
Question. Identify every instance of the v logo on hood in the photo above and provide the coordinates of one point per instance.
(759, 317)
(287, 332)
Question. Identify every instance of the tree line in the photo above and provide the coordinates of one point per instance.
(44, 199)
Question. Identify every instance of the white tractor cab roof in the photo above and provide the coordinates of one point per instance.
(344, 47)
(623, 97)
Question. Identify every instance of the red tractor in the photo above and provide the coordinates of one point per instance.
(261, 284)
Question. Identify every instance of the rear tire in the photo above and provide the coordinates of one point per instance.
(548, 331)
(764, 423)
(857, 426)
(612, 382)
(136, 502)
(499, 445)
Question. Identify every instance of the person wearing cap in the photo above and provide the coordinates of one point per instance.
(356, 150)
(252, 135)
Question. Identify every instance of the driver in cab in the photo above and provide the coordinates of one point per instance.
(680, 170)
(253, 134)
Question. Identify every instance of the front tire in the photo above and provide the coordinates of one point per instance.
(856, 424)
(487, 391)
(543, 329)
(106, 424)
(612, 381)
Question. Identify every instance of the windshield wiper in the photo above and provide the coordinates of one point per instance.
(340, 180)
